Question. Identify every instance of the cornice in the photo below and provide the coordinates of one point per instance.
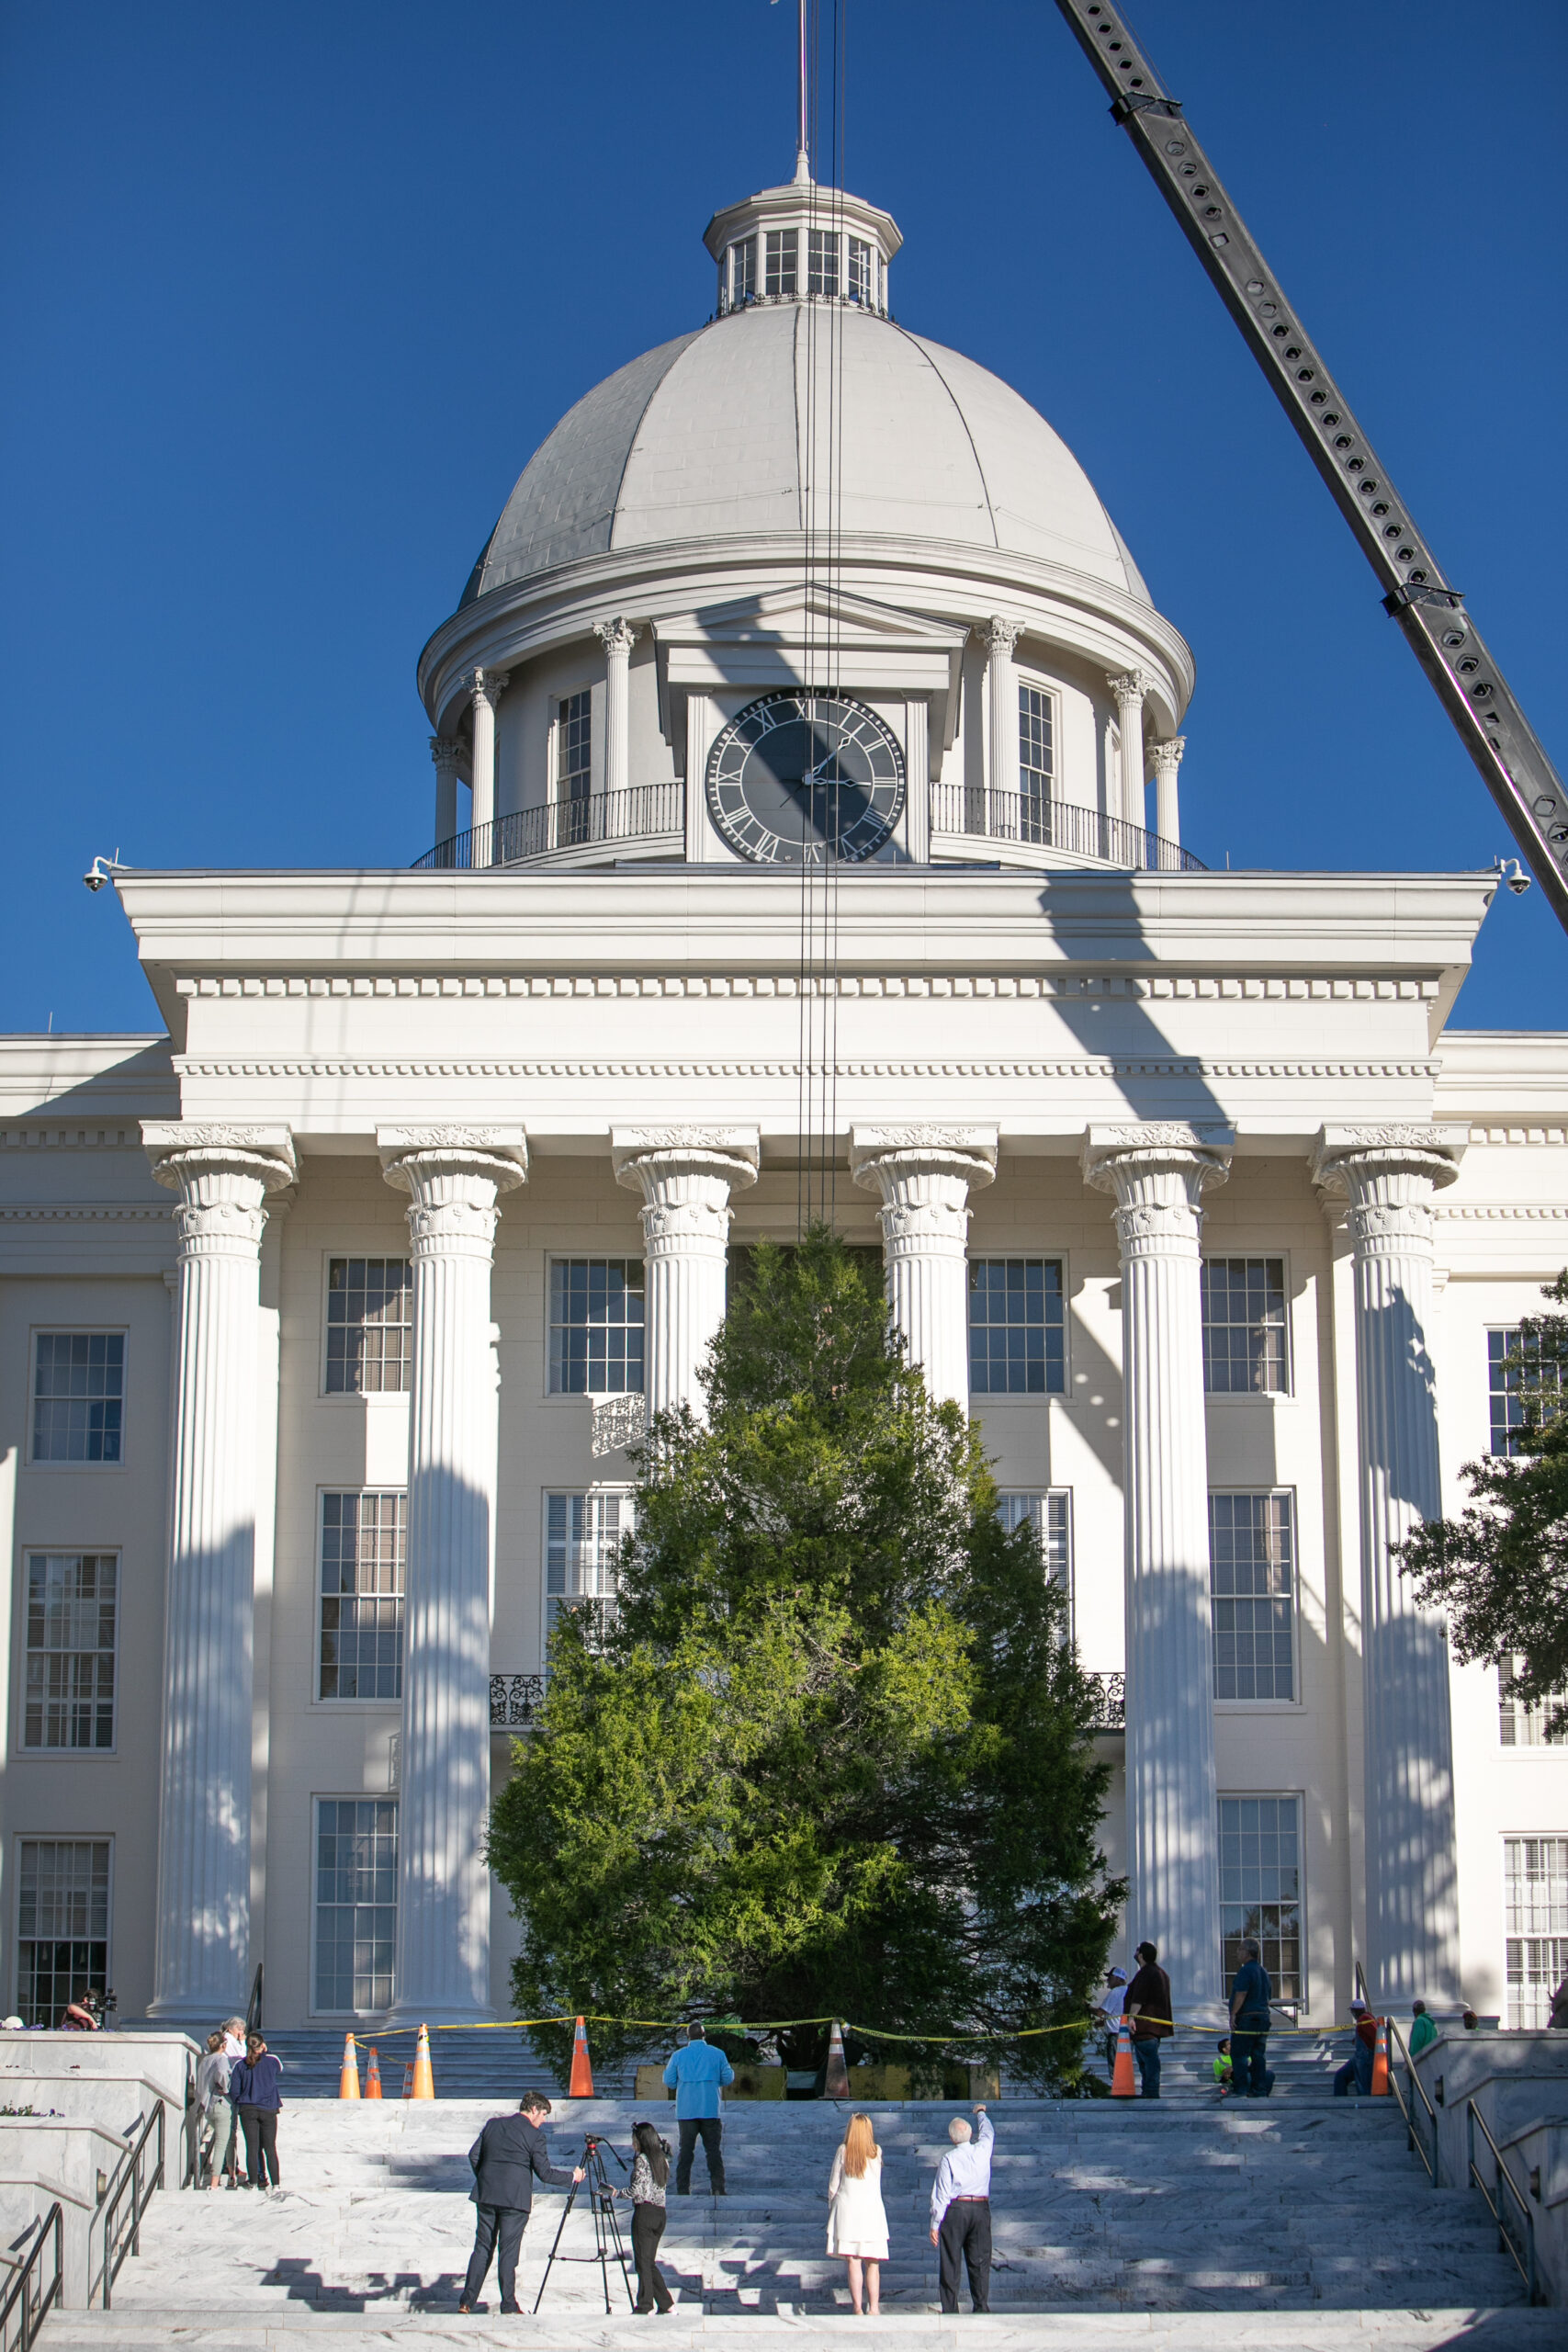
(84, 1212)
(449, 1066)
(1224, 988)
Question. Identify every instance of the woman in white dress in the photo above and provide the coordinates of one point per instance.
(857, 2221)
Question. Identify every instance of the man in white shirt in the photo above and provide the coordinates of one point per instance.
(961, 2212)
(234, 2051)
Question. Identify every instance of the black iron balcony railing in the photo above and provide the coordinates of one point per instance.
(1110, 1713)
(515, 1701)
(635, 815)
(1042, 823)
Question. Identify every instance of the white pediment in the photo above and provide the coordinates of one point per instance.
(796, 635)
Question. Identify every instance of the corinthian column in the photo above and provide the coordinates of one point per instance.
(1386, 1176)
(617, 637)
(1167, 760)
(454, 1177)
(487, 688)
(1158, 1174)
(1130, 690)
(444, 752)
(924, 1175)
(222, 1176)
(1001, 680)
(685, 1176)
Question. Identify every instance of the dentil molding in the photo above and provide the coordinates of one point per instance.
(1224, 988)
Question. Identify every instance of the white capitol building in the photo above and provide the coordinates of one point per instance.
(806, 818)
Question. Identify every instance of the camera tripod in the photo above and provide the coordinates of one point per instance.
(606, 2223)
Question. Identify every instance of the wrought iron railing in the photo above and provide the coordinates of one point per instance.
(1041, 823)
(1110, 1701)
(122, 2231)
(1506, 2201)
(31, 2297)
(636, 814)
(1411, 2106)
(515, 1701)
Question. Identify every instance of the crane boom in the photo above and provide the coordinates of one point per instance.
(1416, 591)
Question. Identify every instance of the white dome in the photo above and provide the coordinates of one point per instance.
(708, 436)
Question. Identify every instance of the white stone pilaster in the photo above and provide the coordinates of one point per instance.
(1130, 690)
(486, 687)
(686, 1176)
(924, 1175)
(454, 1177)
(444, 754)
(1386, 1177)
(1165, 759)
(1001, 682)
(1158, 1174)
(617, 637)
(223, 1176)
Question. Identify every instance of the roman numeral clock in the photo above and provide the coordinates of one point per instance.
(798, 779)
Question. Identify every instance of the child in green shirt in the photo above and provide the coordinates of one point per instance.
(1222, 2066)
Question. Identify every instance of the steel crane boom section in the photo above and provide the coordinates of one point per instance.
(1417, 590)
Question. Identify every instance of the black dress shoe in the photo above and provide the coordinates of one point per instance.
(515, 2308)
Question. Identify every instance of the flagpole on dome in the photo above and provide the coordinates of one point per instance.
(803, 140)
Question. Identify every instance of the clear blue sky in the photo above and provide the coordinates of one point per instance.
(292, 293)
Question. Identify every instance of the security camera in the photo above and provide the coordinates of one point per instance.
(100, 871)
(1510, 871)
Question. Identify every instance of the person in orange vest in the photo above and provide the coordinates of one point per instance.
(1358, 2067)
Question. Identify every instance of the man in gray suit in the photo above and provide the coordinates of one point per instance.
(508, 2156)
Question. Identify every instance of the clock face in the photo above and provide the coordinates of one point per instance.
(801, 779)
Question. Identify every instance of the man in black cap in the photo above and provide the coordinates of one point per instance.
(508, 2156)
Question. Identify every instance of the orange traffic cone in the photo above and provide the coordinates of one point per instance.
(1379, 2061)
(838, 2083)
(423, 2078)
(408, 2078)
(348, 2081)
(1121, 2082)
(582, 2082)
(373, 2075)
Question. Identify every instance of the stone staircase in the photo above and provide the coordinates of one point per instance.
(1300, 2222)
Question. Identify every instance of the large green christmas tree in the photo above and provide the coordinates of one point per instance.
(831, 1755)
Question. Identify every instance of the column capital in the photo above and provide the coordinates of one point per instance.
(641, 1155)
(223, 1173)
(969, 1152)
(1344, 1158)
(1111, 1155)
(444, 751)
(1166, 758)
(489, 686)
(1130, 686)
(999, 635)
(617, 635)
(500, 1153)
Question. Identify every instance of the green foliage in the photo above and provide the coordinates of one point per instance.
(1500, 1569)
(832, 1758)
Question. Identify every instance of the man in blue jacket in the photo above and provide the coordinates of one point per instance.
(697, 2075)
(508, 2156)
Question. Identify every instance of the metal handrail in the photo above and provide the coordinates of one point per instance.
(35, 2312)
(128, 2176)
(1523, 2263)
(1043, 822)
(636, 814)
(1412, 2137)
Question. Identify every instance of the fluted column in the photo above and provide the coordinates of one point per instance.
(925, 1175)
(686, 1176)
(1167, 761)
(1130, 690)
(1001, 681)
(617, 637)
(444, 752)
(1158, 1174)
(223, 1176)
(486, 687)
(1386, 1178)
(454, 1177)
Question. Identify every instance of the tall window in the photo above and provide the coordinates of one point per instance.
(1036, 763)
(370, 1326)
(1503, 1384)
(62, 1923)
(781, 262)
(823, 278)
(1017, 1327)
(574, 768)
(357, 1903)
(1519, 1726)
(862, 273)
(743, 271)
(1535, 1886)
(364, 1554)
(1261, 1888)
(596, 1327)
(1244, 1326)
(72, 1601)
(78, 1396)
(1252, 1590)
(582, 1536)
(1051, 1516)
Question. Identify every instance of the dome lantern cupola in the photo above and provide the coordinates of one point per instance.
(802, 244)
